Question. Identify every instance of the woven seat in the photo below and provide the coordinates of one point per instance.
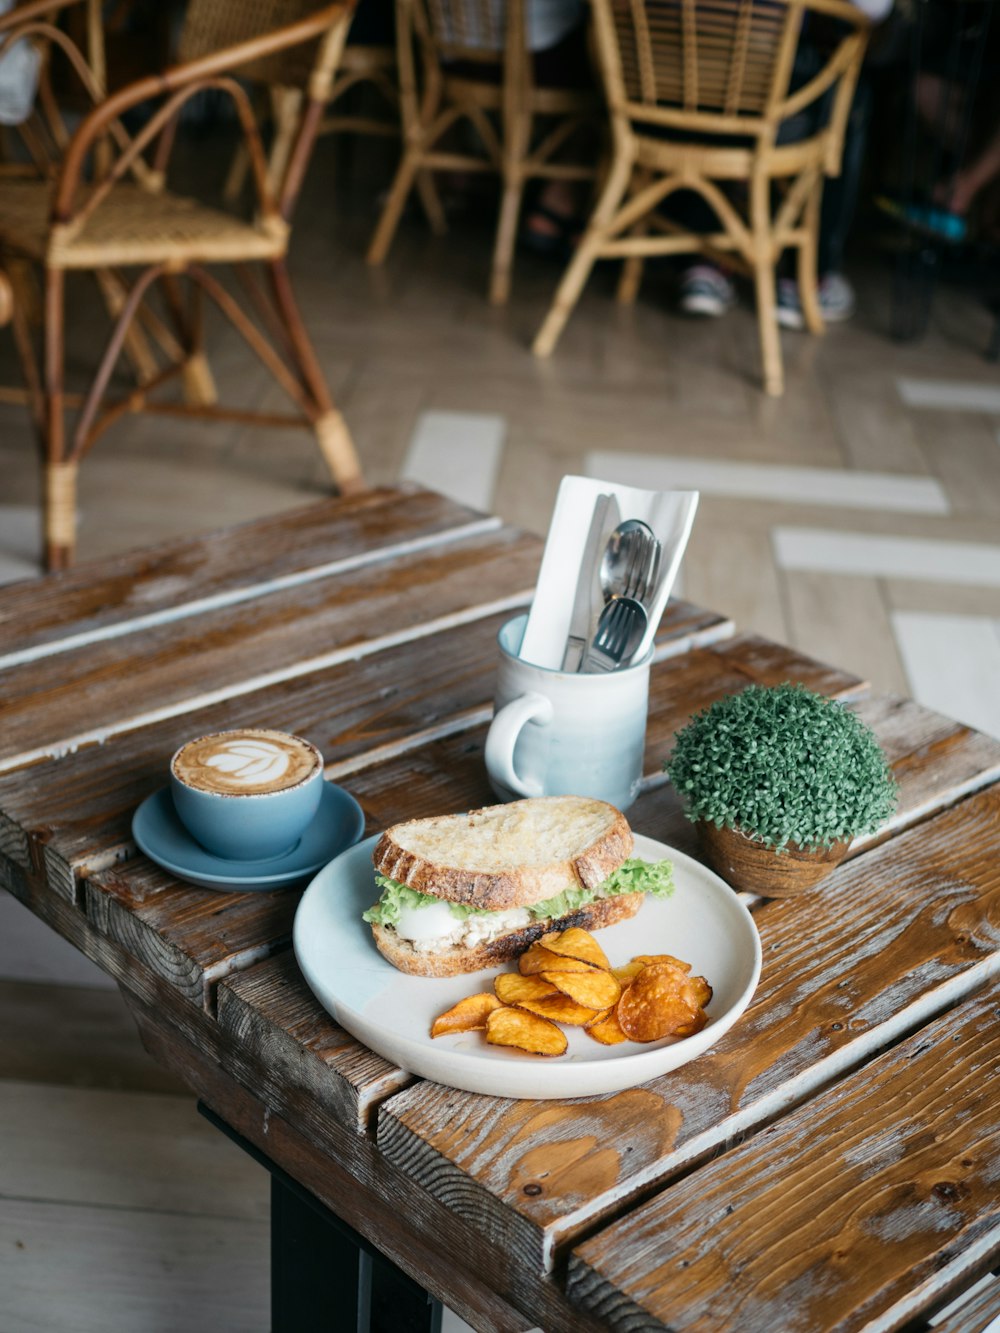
(130, 227)
(100, 201)
(698, 92)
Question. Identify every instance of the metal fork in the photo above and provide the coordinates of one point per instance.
(643, 565)
(619, 632)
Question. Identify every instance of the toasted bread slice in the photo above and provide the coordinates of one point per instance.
(507, 855)
(492, 953)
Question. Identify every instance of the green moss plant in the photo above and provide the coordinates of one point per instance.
(783, 765)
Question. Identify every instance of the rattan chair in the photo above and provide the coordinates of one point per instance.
(523, 128)
(98, 201)
(369, 66)
(698, 91)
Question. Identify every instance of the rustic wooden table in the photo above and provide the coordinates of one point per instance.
(831, 1163)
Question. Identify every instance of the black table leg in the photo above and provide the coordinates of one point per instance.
(325, 1276)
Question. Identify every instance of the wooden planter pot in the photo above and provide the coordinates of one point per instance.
(756, 868)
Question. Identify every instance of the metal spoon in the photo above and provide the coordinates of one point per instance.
(630, 561)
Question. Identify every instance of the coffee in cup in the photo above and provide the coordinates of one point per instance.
(247, 794)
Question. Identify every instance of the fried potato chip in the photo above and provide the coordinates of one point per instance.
(647, 958)
(701, 991)
(627, 972)
(561, 1009)
(696, 1025)
(653, 1005)
(578, 943)
(537, 958)
(525, 1031)
(512, 988)
(606, 1029)
(595, 989)
(466, 1016)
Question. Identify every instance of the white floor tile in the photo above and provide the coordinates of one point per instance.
(31, 951)
(764, 481)
(823, 551)
(957, 395)
(457, 453)
(953, 665)
(20, 542)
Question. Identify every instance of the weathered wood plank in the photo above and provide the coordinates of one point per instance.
(269, 1012)
(837, 1217)
(78, 807)
(106, 597)
(976, 1314)
(83, 696)
(890, 938)
(346, 1172)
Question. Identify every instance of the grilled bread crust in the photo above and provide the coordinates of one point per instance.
(507, 855)
(453, 962)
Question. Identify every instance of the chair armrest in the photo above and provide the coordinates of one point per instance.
(187, 77)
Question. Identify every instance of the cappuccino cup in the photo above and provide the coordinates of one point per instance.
(247, 794)
(566, 733)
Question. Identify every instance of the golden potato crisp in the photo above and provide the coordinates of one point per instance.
(653, 1005)
(468, 1015)
(606, 1029)
(512, 988)
(560, 1008)
(525, 1032)
(647, 959)
(628, 971)
(700, 991)
(595, 989)
(577, 943)
(537, 958)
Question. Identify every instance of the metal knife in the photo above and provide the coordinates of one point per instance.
(588, 598)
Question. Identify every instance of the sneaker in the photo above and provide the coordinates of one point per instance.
(706, 291)
(836, 301)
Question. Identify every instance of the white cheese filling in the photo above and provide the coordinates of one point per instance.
(433, 927)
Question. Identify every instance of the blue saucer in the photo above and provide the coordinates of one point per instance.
(338, 824)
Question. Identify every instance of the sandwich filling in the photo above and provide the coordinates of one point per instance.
(430, 924)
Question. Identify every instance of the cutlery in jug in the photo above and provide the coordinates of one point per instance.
(620, 630)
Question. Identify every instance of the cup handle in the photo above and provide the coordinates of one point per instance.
(502, 738)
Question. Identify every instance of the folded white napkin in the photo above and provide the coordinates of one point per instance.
(670, 514)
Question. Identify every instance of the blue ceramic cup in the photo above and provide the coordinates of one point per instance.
(247, 795)
(566, 733)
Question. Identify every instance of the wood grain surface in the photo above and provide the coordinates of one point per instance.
(857, 1210)
(178, 577)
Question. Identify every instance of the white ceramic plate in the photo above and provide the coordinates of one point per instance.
(703, 922)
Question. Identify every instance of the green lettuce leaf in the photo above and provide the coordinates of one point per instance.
(634, 876)
(396, 896)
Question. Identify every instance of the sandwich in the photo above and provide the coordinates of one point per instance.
(471, 891)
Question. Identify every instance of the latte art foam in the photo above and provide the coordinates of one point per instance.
(245, 763)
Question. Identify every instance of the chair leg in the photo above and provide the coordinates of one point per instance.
(503, 250)
(332, 435)
(197, 381)
(631, 275)
(430, 201)
(807, 267)
(59, 501)
(578, 271)
(393, 210)
(767, 320)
